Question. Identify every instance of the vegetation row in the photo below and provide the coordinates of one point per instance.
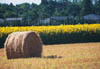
(58, 34)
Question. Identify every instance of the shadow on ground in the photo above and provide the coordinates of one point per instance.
(52, 56)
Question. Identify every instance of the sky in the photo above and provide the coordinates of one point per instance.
(20, 1)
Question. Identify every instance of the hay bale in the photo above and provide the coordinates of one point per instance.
(23, 45)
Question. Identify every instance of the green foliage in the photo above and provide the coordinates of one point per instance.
(87, 7)
(32, 13)
(97, 8)
(2, 39)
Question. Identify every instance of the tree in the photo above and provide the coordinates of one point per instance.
(73, 10)
(97, 8)
(10, 14)
(86, 7)
(11, 7)
(44, 1)
(1, 11)
(75, 1)
(57, 13)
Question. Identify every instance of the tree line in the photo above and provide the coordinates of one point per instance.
(32, 13)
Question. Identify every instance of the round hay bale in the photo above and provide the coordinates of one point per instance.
(23, 45)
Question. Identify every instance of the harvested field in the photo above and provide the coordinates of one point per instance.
(64, 56)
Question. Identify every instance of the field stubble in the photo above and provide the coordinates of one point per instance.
(64, 56)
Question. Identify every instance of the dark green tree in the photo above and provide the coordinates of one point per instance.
(44, 1)
(97, 8)
(87, 7)
(73, 10)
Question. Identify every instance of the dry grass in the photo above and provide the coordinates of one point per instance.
(64, 56)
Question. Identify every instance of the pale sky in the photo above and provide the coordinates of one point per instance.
(20, 1)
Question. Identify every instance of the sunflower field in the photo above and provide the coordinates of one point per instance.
(58, 34)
